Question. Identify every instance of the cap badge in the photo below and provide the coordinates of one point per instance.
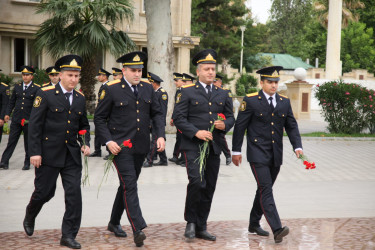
(209, 57)
(136, 58)
(275, 73)
(73, 63)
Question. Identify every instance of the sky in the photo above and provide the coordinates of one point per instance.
(260, 9)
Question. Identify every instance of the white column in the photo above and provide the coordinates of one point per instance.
(333, 63)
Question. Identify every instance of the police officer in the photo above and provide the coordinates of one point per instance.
(264, 115)
(162, 97)
(117, 73)
(187, 79)
(20, 104)
(4, 100)
(124, 113)
(223, 141)
(177, 78)
(58, 114)
(103, 76)
(197, 108)
(53, 75)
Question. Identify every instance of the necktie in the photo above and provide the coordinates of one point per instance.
(25, 88)
(67, 95)
(135, 90)
(271, 104)
(208, 87)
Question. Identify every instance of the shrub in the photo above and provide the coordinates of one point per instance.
(348, 108)
(246, 84)
(40, 77)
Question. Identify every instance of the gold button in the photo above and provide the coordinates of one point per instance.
(138, 129)
(66, 141)
(23, 98)
(23, 103)
(273, 141)
(79, 112)
(273, 132)
(272, 123)
(23, 93)
(137, 102)
(137, 111)
(196, 102)
(137, 120)
(261, 114)
(46, 138)
(255, 140)
(69, 112)
(210, 113)
(120, 103)
(211, 122)
(68, 121)
(56, 111)
(21, 107)
(67, 131)
(209, 103)
(283, 115)
(272, 114)
(221, 103)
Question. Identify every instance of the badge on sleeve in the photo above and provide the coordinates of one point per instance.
(164, 97)
(102, 95)
(37, 101)
(230, 94)
(178, 98)
(243, 106)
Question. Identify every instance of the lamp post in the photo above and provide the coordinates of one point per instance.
(243, 28)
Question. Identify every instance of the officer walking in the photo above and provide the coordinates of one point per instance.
(53, 75)
(177, 78)
(196, 110)
(103, 76)
(223, 141)
(264, 115)
(117, 73)
(4, 100)
(58, 114)
(20, 104)
(162, 97)
(124, 113)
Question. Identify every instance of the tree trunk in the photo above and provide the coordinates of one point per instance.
(160, 47)
(88, 82)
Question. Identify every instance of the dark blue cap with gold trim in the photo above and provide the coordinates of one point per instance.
(270, 73)
(69, 62)
(218, 77)
(116, 71)
(52, 70)
(187, 77)
(104, 72)
(154, 78)
(205, 56)
(177, 76)
(133, 60)
(27, 70)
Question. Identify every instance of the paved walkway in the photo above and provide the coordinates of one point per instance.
(340, 187)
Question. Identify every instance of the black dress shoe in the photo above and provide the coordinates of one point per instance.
(96, 154)
(4, 165)
(228, 161)
(173, 159)
(161, 163)
(280, 234)
(258, 230)
(190, 231)
(106, 157)
(147, 164)
(26, 167)
(117, 230)
(139, 237)
(28, 225)
(205, 235)
(70, 242)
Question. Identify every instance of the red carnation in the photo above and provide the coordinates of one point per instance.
(221, 116)
(127, 144)
(82, 132)
(23, 122)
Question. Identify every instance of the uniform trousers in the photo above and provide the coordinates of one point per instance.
(128, 168)
(224, 145)
(200, 191)
(176, 150)
(98, 145)
(1, 132)
(264, 203)
(45, 186)
(15, 132)
(151, 156)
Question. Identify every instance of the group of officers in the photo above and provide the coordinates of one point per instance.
(127, 108)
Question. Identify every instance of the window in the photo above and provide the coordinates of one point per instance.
(24, 54)
(143, 7)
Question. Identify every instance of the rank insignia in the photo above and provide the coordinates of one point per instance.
(243, 106)
(164, 97)
(178, 98)
(230, 94)
(102, 94)
(37, 101)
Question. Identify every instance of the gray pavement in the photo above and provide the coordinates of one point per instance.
(341, 186)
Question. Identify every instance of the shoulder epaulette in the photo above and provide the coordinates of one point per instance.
(188, 86)
(146, 81)
(45, 84)
(48, 88)
(37, 85)
(6, 85)
(80, 92)
(284, 96)
(225, 88)
(252, 94)
(162, 90)
(113, 82)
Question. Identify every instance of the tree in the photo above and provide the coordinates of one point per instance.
(367, 14)
(86, 28)
(160, 45)
(216, 23)
(348, 11)
(357, 48)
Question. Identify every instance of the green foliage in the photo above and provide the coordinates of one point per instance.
(348, 108)
(246, 84)
(6, 79)
(357, 47)
(216, 23)
(367, 14)
(40, 77)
